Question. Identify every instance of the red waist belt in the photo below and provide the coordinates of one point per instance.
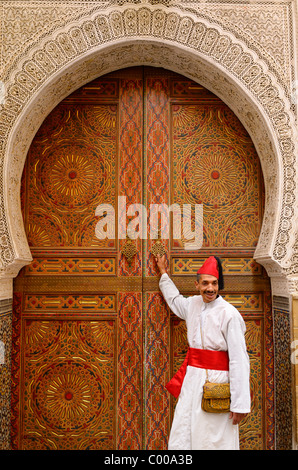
(201, 358)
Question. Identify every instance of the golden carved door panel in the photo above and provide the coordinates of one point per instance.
(94, 343)
(78, 305)
(198, 153)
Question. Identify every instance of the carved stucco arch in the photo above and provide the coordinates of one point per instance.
(120, 37)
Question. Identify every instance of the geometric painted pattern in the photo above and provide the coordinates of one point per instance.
(231, 266)
(157, 151)
(71, 303)
(157, 373)
(130, 372)
(75, 266)
(130, 163)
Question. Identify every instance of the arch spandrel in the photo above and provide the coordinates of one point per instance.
(121, 37)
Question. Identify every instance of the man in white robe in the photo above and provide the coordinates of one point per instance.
(221, 327)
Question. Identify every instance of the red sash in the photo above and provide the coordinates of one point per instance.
(202, 358)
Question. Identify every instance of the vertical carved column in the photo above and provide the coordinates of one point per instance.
(283, 373)
(294, 355)
(5, 371)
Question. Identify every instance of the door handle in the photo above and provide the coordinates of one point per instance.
(129, 250)
(158, 248)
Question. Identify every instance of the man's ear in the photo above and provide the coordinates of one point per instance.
(197, 285)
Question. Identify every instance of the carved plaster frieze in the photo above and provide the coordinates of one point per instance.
(267, 27)
(61, 60)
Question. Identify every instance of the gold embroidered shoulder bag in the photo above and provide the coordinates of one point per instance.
(216, 397)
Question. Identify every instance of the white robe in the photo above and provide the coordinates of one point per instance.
(223, 329)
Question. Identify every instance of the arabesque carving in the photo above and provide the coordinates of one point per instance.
(89, 43)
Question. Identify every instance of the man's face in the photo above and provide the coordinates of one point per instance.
(207, 286)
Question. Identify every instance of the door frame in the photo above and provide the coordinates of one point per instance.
(156, 332)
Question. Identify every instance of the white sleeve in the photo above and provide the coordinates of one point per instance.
(239, 366)
(176, 302)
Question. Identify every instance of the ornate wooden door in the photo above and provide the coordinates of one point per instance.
(94, 343)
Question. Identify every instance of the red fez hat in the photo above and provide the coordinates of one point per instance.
(210, 267)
